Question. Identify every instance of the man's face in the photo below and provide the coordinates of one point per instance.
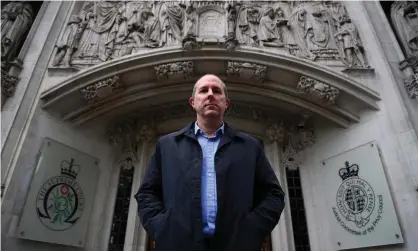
(209, 99)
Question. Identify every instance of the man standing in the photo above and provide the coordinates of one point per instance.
(208, 186)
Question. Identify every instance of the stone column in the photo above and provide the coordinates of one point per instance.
(135, 238)
(135, 138)
(281, 236)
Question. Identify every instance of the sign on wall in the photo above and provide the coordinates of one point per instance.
(359, 203)
(61, 195)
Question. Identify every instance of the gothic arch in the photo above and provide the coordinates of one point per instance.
(165, 76)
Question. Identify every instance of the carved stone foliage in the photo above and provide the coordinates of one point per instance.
(276, 133)
(104, 30)
(16, 20)
(8, 84)
(318, 89)
(176, 70)
(411, 85)
(250, 71)
(100, 89)
(404, 15)
(128, 133)
(293, 151)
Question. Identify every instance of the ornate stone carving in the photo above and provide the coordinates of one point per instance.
(318, 89)
(101, 89)
(104, 30)
(404, 15)
(351, 48)
(411, 85)
(16, 20)
(313, 30)
(8, 84)
(128, 133)
(293, 152)
(177, 70)
(250, 71)
(276, 133)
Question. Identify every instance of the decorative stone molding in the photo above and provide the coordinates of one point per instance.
(129, 132)
(8, 84)
(16, 20)
(411, 85)
(176, 70)
(293, 153)
(403, 17)
(276, 133)
(104, 30)
(101, 89)
(244, 70)
(409, 62)
(318, 89)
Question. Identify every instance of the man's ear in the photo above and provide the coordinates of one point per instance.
(227, 102)
(191, 101)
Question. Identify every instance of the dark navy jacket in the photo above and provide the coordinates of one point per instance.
(250, 199)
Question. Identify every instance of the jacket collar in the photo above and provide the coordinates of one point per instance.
(189, 131)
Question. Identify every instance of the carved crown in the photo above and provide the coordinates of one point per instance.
(349, 171)
(68, 168)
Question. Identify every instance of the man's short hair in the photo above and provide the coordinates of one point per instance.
(222, 83)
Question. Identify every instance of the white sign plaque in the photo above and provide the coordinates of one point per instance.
(58, 206)
(359, 203)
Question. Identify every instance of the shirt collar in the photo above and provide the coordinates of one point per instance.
(198, 130)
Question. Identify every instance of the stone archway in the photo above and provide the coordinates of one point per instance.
(275, 98)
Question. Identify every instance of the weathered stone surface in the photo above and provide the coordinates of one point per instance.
(177, 70)
(244, 70)
(104, 30)
(100, 89)
(411, 85)
(405, 21)
(16, 20)
(318, 89)
(8, 84)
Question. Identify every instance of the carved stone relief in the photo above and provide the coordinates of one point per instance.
(293, 151)
(128, 133)
(404, 15)
(176, 70)
(250, 71)
(8, 84)
(318, 89)
(16, 20)
(276, 133)
(104, 30)
(100, 89)
(411, 85)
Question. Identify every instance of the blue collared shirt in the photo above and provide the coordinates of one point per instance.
(209, 200)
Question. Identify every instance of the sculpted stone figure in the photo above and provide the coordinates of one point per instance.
(285, 32)
(404, 15)
(172, 24)
(351, 46)
(151, 28)
(103, 19)
(247, 24)
(16, 20)
(314, 30)
(267, 32)
(68, 43)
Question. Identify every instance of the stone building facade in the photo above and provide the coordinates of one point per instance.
(314, 81)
